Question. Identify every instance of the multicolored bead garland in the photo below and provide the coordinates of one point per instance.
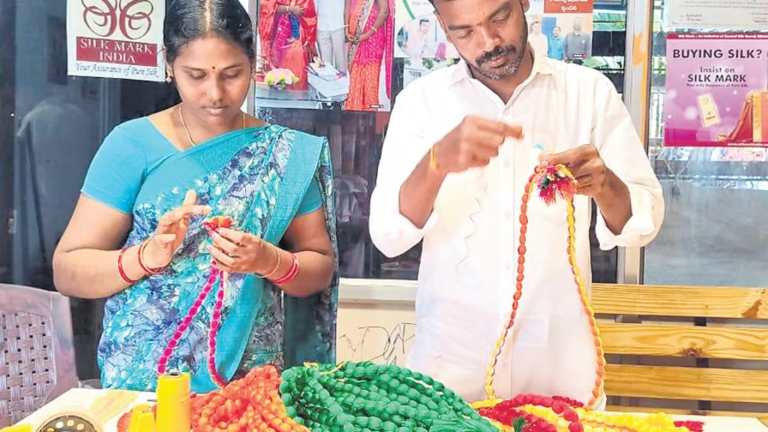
(211, 225)
(553, 182)
(368, 397)
(531, 413)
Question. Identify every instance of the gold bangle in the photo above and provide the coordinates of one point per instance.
(149, 271)
(433, 159)
(277, 266)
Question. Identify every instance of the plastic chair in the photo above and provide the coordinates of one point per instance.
(37, 357)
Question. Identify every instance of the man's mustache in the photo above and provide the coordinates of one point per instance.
(494, 53)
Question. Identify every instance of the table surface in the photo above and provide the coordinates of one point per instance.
(107, 406)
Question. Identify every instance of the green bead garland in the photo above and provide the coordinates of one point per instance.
(367, 397)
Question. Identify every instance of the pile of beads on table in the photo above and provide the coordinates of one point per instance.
(248, 404)
(533, 413)
(369, 397)
(325, 398)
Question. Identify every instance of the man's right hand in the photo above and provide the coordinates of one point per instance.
(473, 143)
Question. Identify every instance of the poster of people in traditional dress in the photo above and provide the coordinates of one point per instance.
(716, 90)
(318, 53)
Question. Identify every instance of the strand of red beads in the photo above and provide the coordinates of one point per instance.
(215, 324)
(163, 363)
(553, 182)
(513, 408)
(213, 224)
(508, 418)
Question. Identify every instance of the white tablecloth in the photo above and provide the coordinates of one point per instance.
(87, 398)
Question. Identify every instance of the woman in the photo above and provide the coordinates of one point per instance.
(371, 43)
(137, 235)
(288, 33)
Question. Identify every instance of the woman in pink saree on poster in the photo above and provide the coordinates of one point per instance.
(370, 33)
(288, 33)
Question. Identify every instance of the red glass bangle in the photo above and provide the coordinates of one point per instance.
(292, 272)
(147, 270)
(120, 267)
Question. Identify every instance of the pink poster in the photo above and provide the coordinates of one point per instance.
(716, 90)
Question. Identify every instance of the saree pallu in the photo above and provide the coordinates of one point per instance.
(258, 178)
(366, 59)
(284, 45)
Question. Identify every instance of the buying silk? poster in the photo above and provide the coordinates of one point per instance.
(716, 90)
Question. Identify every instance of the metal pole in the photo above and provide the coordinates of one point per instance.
(637, 70)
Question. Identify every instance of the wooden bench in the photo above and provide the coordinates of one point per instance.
(696, 339)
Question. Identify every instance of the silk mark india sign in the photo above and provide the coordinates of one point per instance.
(116, 39)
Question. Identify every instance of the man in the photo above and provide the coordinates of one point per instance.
(577, 45)
(556, 45)
(331, 36)
(460, 147)
(538, 40)
(418, 45)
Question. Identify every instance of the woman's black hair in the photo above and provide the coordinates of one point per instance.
(187, 20)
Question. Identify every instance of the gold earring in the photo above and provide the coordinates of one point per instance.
(168, 76)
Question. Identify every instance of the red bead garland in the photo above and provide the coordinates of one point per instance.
(506, 412)
(213, 224)
(215, 323)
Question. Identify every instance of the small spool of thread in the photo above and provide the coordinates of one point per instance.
(142, 419)
(173, 402)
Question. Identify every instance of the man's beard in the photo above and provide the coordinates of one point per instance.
(508, 69)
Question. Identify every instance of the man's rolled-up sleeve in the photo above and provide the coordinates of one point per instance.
(619, 145)
(404, 146)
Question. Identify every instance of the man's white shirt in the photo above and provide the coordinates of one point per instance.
(469, 257)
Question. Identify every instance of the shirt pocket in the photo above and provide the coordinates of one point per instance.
(546, 215)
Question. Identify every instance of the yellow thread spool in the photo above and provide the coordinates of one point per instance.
(173, 403)
(142, 419)
(18, 428)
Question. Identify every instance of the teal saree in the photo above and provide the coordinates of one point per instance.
(257, 177)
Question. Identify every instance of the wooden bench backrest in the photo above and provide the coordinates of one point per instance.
(729, 342)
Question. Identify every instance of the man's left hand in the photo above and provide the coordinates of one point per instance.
(586, 165)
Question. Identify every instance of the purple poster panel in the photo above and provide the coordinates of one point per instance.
(717, 90)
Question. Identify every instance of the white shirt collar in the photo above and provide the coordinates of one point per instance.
(541, 65)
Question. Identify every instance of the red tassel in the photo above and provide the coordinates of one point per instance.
(555, 181)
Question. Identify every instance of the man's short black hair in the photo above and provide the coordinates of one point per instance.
(423, 21)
